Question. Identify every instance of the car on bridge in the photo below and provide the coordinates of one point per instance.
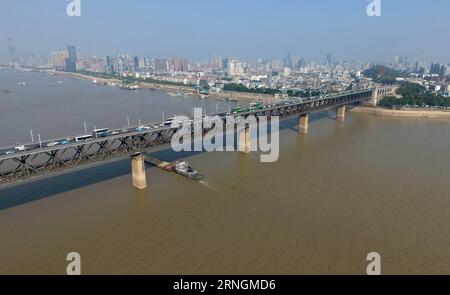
(34, 147)
(53, 143)
(20, 147)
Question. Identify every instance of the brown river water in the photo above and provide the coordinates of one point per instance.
(370, 184)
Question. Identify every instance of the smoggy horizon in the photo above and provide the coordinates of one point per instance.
(201, 30)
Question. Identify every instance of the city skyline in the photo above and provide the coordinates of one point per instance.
(205, 30)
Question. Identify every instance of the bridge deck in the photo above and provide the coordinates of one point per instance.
(47, 160)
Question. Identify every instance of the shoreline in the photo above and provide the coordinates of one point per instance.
(86, 77)
(238, 96)
(418, 113)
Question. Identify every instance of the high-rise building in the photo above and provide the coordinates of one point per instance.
(147, 63)
(71, 61)
(329, 59)
(120, 65)
(288, 63)
(58, 59)
(13, 54)
(396, 61)
(161, 65)
(277, 65)
(109, 68)
(235, 68)
(225, 62)
(437, 69)
(216, 62)
(178, 65)
(136, 63)
(231, 69)
(447, 70)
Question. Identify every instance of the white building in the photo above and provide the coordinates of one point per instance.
(234, 68)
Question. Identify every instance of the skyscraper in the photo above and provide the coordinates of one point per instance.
(225, 62)
(161, 65)
(12, 50)
(328, 60)
(110, 65)
(71, 60)
(288, 63)
(136, 63)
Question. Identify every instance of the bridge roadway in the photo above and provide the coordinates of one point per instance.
(49, 160)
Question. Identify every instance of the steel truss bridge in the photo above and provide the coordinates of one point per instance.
(50, 160)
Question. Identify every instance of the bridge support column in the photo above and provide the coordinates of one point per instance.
(244, 141)
(303, 122)
(341, 113)
(138, 171)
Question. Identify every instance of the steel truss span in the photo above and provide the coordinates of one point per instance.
(46, 161)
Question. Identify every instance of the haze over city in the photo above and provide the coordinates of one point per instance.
(242, 29)
(201, 137)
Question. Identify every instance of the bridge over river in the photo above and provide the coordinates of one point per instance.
(40, 160)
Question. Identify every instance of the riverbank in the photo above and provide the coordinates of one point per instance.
(416, 113)
(244, 96)
(241, 96)
(87, 77)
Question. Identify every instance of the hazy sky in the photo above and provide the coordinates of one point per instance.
(246, 28)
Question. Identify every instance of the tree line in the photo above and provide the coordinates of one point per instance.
(243, 88)
(414, 95)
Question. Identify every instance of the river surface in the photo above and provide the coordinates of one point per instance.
(370, 184)
(58, 106)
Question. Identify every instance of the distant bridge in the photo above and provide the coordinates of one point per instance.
(50, 160)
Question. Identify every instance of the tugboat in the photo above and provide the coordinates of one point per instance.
(179, 167)
(183, 168)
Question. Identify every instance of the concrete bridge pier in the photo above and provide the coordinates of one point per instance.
(341, 113)
(138, 171)
(244, 141)
(303, 122)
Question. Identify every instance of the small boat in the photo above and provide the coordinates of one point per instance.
(183, 168)
(130, 86)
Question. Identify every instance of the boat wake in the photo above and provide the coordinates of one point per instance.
(213, 188)
(207, 185)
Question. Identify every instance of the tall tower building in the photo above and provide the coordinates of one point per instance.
(289, 62)
(71, 61)
(329, 59)
(12, 50)
(136, 63)
(110, 69)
